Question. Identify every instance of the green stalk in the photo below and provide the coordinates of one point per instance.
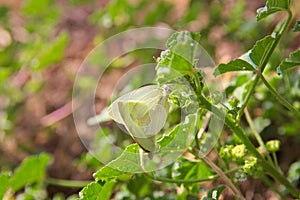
(265, 61)
(67, 183)
(275, 159)
(247, 98)
(238, 131)
(256, 134)
(179, 181)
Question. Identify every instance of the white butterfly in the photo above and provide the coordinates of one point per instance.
(143, 112)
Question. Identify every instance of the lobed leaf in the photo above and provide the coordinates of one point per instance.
(272, 6)
(289, 63)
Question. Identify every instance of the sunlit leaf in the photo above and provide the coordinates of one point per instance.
(91, 191)
(260, 49)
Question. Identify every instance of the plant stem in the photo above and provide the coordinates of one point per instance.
(234, 189)
(238, 131)
(247, 98)
(201, 180)
(67, 183)
(279, 97)
(265, 61)
(256, 134)
(275, 159)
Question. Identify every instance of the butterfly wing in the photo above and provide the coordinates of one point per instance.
(146, 142)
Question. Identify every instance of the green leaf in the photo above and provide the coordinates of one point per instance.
(260, 49)
(179, 58)
(52, 52)
(108, 173)
(234, 65)
(250, 60)
(95, 191)
(289, 63)
(272, 6)
(91, 191)
(106, 190)
(192, 170)
(4, 180)
(214, 193)
(31, 170)
(129, 161)
(297, 26)
(139, 185)
(126, 162)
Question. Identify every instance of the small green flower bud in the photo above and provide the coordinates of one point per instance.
(233, 101)
(273, 145)
(250, 165)
(239, 151)
(225, 152)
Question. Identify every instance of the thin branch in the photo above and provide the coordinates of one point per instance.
(67, 183)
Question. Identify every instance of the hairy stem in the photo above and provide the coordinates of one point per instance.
(200, 180)
(247, 98)
(256, 134)
(67, 183)
(266, 58)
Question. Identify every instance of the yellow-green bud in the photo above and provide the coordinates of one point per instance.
(239, 151)
(273, 145)
(225, 152)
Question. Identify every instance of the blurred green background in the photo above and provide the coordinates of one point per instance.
(43, 43)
